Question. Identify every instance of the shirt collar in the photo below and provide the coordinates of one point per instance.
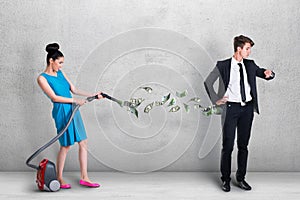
(234, 63)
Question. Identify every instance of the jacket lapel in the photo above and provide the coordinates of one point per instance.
(249, 72)
(226, 76)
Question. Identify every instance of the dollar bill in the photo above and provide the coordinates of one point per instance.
(217, 110)
(134, 111)
(133, 103)
(136, 102)
(210, 110)
(172, 102)
(197, 106)
(207, 111)
(148, 107)
(147, 89)
(165, 98)
(182, 94)
(174, 109)
(186, 107)
(195, 99)
(158, 103)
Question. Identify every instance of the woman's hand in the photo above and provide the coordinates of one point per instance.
(79, 101)
(99, 96)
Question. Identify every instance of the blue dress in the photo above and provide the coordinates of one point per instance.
(61, 112)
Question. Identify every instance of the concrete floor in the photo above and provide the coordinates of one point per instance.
(157, 185)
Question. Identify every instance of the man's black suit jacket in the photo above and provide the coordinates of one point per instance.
(222, 71)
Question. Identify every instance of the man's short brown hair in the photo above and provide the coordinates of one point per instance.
(240, 41)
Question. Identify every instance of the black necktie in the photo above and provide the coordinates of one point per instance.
(242, 86)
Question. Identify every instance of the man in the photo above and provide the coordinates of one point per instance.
(237, 95)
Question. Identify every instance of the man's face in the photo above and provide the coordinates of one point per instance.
(245, 51)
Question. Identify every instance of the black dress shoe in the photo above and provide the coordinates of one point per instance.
(226, 186)
(244, 185)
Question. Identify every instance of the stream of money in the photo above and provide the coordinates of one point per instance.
(133, 103)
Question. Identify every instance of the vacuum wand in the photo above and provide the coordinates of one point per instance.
(111, 98)
(89, 99)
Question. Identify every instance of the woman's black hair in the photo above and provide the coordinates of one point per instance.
(53, 52)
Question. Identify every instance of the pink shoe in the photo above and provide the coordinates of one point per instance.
(88, 184)
(65, 186)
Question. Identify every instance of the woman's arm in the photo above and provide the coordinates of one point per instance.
(74, 90)
(43, 83)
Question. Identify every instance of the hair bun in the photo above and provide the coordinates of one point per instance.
(52, 47)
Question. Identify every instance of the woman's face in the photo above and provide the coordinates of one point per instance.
(57, 64)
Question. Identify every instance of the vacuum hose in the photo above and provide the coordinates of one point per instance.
(89, 99)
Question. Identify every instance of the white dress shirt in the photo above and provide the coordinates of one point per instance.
(233, 91)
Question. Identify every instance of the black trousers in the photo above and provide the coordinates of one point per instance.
(236, 117)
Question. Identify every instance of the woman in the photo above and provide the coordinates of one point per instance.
(56, 85)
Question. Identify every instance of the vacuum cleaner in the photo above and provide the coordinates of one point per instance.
(46, 171)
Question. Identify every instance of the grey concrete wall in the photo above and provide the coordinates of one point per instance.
(118, 46)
